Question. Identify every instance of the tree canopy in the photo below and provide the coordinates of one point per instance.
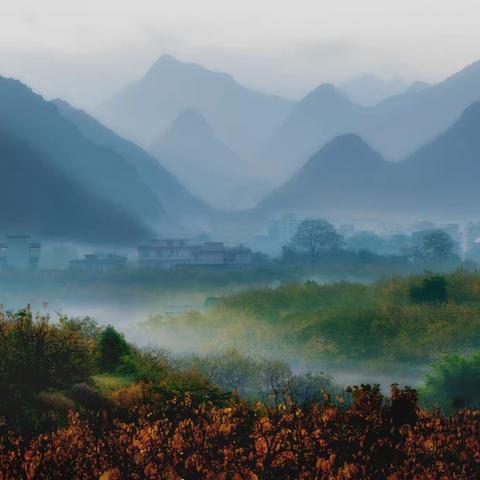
(315, 237)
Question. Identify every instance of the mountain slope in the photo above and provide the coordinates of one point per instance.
(207, 166)
(346, 174)
(370, 89)
(400, 125)
(395, 127)
(319, 117)
(445, 174)
(25, 116)
(240, 117)
(38, 199)
(178, 202)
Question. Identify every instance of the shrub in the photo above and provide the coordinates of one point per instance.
(112, 347)
(454, 382)
(432, 290)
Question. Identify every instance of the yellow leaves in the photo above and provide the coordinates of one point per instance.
(111, 474)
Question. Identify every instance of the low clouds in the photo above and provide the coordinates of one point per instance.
(85, 51)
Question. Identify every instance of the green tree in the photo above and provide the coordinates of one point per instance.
(112, 347)
(454, 382)
(316, 237)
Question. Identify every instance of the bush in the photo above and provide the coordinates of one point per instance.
(372, 438)
(432, 290)
(452, 383)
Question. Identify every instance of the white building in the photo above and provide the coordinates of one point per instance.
(167, 253)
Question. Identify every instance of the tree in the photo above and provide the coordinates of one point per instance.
(435, 246)
(316, 237)
(438, 245)
(113, 347)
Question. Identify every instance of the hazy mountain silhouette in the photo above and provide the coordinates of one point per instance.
(178, 202)
(26, 117)
(204, 164)
(370, 89)
(346, 174)
(400, 125)
(37, 198)
(417, 87)
(395, 127)
(240, 117)
(319, 117)
(445, 174)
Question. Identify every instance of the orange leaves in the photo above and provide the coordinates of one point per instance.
(111, 474)
(332, 442)
(261, 447)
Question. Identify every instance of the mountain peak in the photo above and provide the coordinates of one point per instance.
(348, 140)
(324, 96)
(172, 65)
(348, 148)
(325, 90)
(190, 122)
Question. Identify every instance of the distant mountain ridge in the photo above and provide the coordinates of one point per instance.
(178, 202)
(369, 89)
(316, 119)
(38, 199)
(395, 127)
(348, 176)
(190, 149)
(240, 117)
(28, 119)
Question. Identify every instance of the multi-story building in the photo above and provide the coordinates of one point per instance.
(99, 262)
(165, 253)
(19, 253)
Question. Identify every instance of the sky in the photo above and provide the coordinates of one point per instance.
(86, 50)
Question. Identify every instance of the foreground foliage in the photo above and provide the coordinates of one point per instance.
(369, 438)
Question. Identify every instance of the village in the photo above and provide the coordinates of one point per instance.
(21, 252)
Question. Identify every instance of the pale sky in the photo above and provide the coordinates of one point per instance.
(85, 50)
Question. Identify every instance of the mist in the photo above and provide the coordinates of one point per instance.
(239, 240)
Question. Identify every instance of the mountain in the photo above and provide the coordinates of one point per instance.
(400, 125)
(346, 174)
(26, 117)
(241, 118)
(210, 169)
(444, 175)
(39, 199)
(370, 89)
(348, 177)
(178, 202)
(395, 127)
(316, 119)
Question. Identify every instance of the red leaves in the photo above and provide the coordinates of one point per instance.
(210, 443)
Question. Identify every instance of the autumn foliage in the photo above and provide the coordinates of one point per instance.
(365, 437)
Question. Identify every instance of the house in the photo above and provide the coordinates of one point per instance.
(166, 253)
(19, 253)
(99, 262)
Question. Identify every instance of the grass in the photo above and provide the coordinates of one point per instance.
(109, 382)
